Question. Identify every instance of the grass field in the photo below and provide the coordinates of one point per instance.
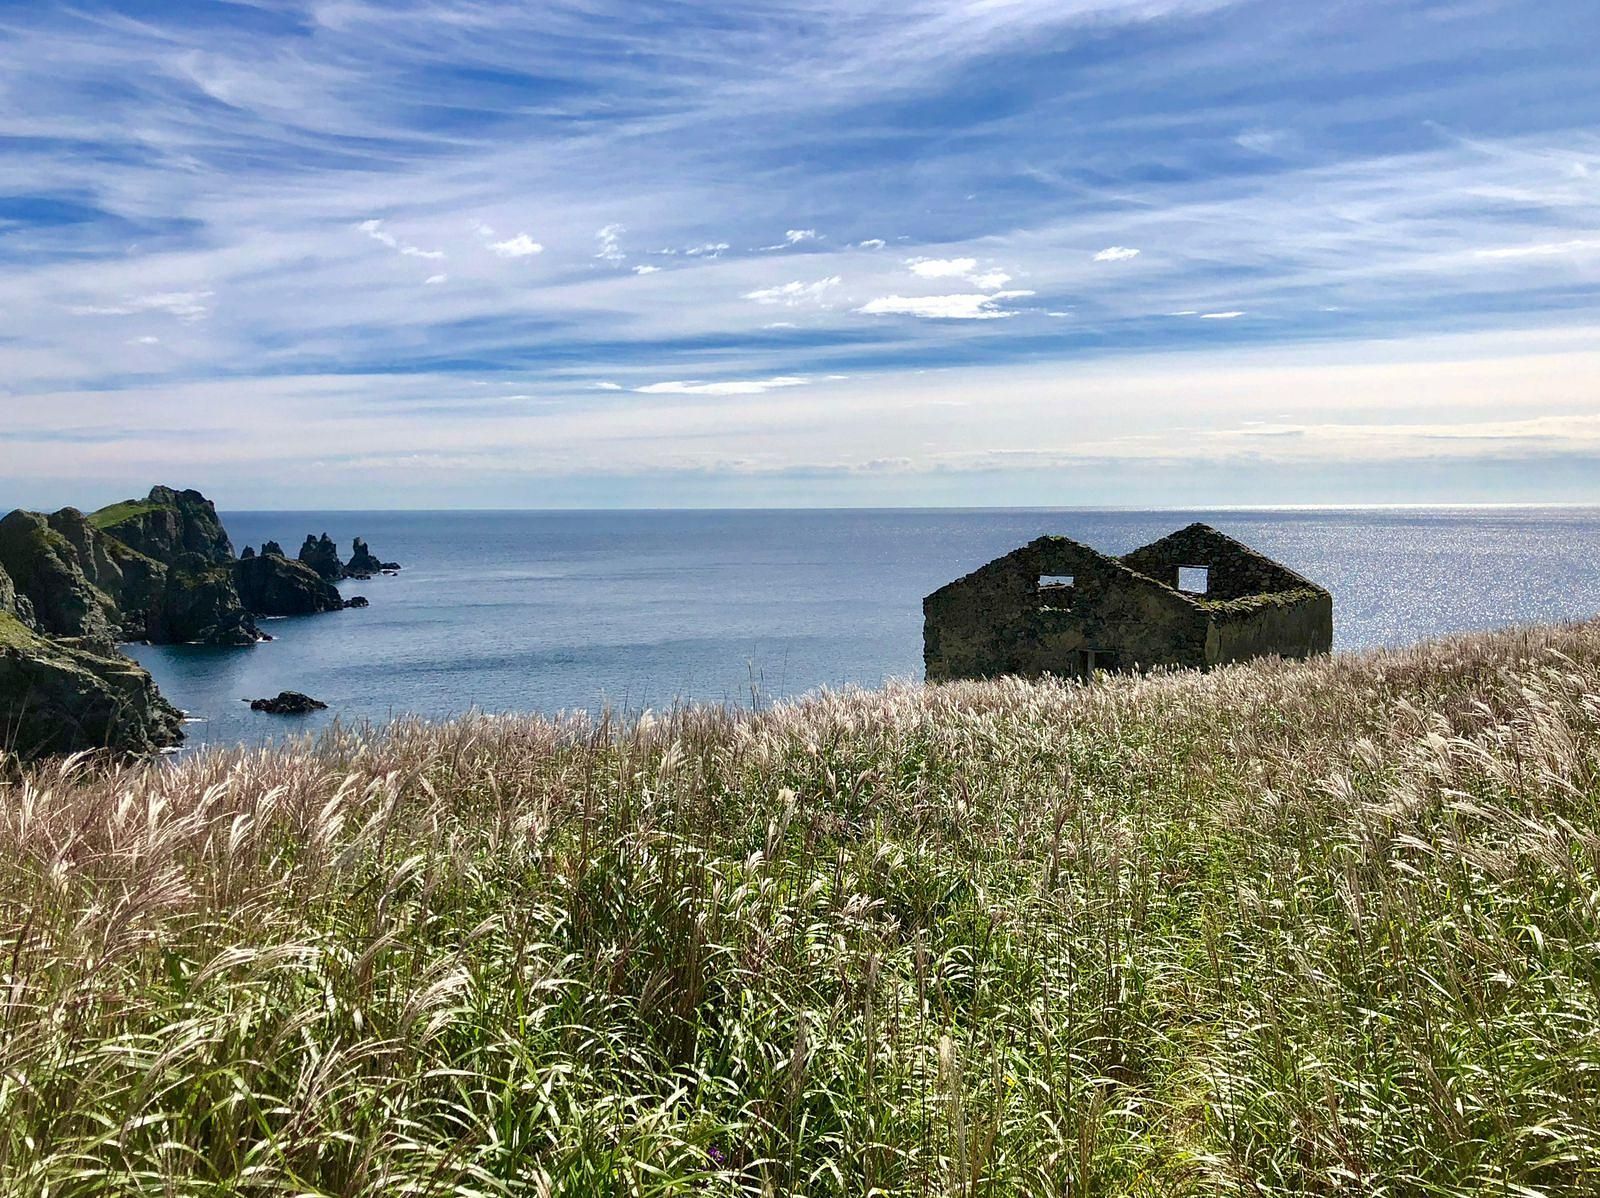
(1279, 929)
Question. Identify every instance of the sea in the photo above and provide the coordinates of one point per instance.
(580, 611)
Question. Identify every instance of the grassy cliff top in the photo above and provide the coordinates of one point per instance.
(119, 513)
(1276, 929)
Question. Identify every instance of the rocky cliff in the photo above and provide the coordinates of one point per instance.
(160, 569)
(58, 697)
(271, 585)
(168, 523)
(43, 566)
(322, 555)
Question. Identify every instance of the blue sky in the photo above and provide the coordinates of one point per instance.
(658, 252)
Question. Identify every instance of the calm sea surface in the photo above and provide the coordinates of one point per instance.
(545, 611)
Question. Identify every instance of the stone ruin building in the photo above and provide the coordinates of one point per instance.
(1196, 598)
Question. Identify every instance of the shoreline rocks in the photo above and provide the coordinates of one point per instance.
(59, 697)
(159, 569)
(288, 703)
(273, 585)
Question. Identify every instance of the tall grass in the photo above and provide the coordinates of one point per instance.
(1282, 928)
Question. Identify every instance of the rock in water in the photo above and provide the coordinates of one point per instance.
(55, 698)
(357, 601)
(272, 585)
(288, 703)
(364, 563)
(168, 524)
(322, 555)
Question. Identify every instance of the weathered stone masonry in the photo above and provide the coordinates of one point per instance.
(1059, 607)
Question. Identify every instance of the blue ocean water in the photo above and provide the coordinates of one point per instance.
(551, 611)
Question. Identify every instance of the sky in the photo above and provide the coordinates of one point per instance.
(766, 253)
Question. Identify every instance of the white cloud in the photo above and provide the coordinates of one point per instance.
(608, 386)
(796, 236)
(435, 280)
(145, 341)
(872, 243)
(1116, 253)
(792, 295)
(520, 246)
(734, 387)
(646, 270)
(610, 239)
(942, 268)
(781, 324)
(375, 230)
(990, 279)
(943, 307)
(1233, 315)
(711, 249)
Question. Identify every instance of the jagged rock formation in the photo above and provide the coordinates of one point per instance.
(364, 563)
(58, 698)
(322, 555)
(132, 581)
(289, 703)
(160, 569)
(272, 585)
(43, 565)
(166, 524)
(357, 601)
(247, 553)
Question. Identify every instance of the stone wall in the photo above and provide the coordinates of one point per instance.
(997, 620)
(1236, 570)
(1290, 624)
(1121, 613)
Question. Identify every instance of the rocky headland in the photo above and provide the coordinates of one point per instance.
(160, 569)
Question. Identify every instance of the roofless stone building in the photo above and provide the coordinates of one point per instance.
(1196, 598)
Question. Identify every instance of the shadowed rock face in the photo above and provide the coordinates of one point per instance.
(55, 698)
(272, 585)
(43, 565)
(201, 605)
(322, 555)
(167, 524)
(364, 563)
(132, 581)
(271, 549)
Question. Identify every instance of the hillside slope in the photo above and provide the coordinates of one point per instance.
(1289, 929)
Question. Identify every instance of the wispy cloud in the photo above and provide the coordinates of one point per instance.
(375, 230)
(247, 164)
(944, 307)
(610, 239)
(185, 305)
(794, 294)
(730, 387)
